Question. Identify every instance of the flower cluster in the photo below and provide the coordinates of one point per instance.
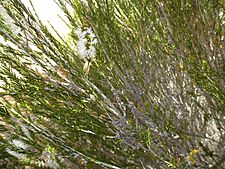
(85, 44)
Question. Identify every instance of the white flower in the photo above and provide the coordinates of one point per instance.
(94, 42)
(20, 144)
(15, 154)
(90, 33)
(80, 33)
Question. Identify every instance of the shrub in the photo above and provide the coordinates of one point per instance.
(136, 84)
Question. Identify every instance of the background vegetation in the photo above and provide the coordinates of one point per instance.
(154, 96)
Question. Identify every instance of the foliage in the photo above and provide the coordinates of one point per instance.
(154, 96)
